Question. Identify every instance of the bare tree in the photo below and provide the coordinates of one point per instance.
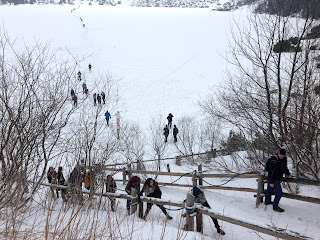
(157, 143)
(271, 92)
(35, 109)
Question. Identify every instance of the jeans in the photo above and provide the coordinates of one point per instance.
(278, 194)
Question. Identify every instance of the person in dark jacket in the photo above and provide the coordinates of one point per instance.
(89, 64)
(276, 167)
(111, 187)
(52, 179)
(107, 116)
(134, 182)
(79, 76)
(103, 96)
(170, 116)
(75, 180)
(62, 181)
(175, 133)
(199, 195)
(99, 99)
(84, 87)
(94, 99)
(166, 133)
(151, 189)
(72, 92)
(75, 100)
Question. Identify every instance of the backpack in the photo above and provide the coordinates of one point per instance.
(268, 163)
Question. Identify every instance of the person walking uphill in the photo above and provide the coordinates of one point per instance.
(151, 189)
(94, 99)
(111, 187)
(170, 116)
(276, 166)
(108, 117)
(134, 182)
(175, 133)
(79, 76)
(199, 195)
(166, 133)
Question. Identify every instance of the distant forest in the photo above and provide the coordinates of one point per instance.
(284, 7)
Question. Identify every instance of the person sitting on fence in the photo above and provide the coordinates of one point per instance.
(62, 181)
(199, 195)
(134, 182)
(52, 178)
(151, 189)
(111, 187)
(276, 166)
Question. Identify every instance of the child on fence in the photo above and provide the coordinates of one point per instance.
(111, 187)
(151, 189)
(199, 195)
(134, 182)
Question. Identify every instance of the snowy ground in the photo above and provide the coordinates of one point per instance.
(167, 60)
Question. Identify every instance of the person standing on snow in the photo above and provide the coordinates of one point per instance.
(134, 182)
(79, 76)
(103, 96)
(89, 66)
(107, 116)
(166, 133)
(99, 99)
(199, 195)
(84, 87)
(170, 116)
(175, 133)
(276, 166)
(72, 92)
(75, 100)
(111, 187)
(94, 99)
(151, 189)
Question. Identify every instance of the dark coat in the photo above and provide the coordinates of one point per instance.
(276, 167)
(111, 185)
(170, 116)
(131, 184)
(166, 131)
(175, 131)
(156, 190)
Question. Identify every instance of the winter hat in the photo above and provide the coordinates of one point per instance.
(282, 151)
(134, 179)
(196, 191)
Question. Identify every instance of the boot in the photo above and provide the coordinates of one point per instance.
(168, 216)
(220, 231)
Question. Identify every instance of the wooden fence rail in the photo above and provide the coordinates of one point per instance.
(199, 212)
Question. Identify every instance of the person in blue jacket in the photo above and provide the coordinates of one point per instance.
(108, 116)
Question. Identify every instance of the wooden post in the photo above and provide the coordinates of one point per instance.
(199, 222)
(260, 190)
(124, 176)
(194, 179)
(189, 226)
(141, 209)
(168, 167)
(129, 172)
(200, 172)
(134, 201)
(178, 160)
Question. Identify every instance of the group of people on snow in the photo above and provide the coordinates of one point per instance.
(167, 128)
(98, 97)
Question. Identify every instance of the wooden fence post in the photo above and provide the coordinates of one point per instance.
(129, 172)
(194, 179)
(200, 172)
(260, 190)
(124, 176)
(199, 222)
(178, 160)
(134, 201)
(189, 226)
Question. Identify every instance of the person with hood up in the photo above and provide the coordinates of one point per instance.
(108, 117)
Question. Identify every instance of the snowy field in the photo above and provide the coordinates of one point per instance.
(167, 59)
